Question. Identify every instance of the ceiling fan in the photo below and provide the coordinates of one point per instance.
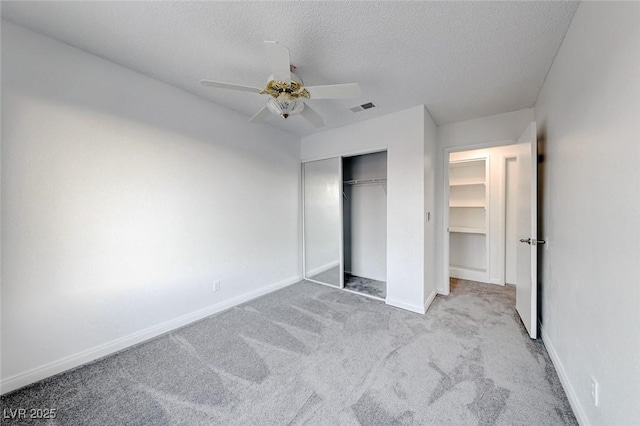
(286, 90)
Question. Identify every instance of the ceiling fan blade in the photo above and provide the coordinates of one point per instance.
(221, 85)
(335, 91)
(279, 62)
(260, 116)
(312, 116)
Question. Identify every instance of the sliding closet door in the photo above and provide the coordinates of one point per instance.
(322, 221)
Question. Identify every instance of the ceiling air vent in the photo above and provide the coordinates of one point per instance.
(363, 107)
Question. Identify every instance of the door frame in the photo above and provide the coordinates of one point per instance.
(445, 206)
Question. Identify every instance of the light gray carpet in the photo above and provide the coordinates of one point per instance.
(365, 285)
(309, 354)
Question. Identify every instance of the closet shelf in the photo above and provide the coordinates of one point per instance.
(467, 206)
(365, 181)
(472, 162)
(467, 183)
(467, 268)
(467, 230)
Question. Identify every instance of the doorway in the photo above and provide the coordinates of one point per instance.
(464, 191)
(482, 213)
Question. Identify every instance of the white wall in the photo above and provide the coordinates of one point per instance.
(588, 118)
(480, 132)
(496, 185)
(511, 224)
(365, 217)
(403, 135)
(123, 199)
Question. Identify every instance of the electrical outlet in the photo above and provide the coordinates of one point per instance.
(594, 391)
(216, 286)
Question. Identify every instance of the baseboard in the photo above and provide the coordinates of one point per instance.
(564, 379)
(427, 302)
(322, 268)
(496, 281)
(466, 274)
(406, 306)
(23, 379)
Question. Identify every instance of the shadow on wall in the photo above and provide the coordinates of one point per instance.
(541, 231)
(83, 82)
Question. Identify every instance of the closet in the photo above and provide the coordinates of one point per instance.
(469, 218)
(345, 223)
(365, 223)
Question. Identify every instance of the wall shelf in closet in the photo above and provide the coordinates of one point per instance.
(467, 230)
(460, 269)
(467, 183)
(464, 204)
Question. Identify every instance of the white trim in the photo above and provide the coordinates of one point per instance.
(341, 215)
(497, 281)
(23, 379)
(304, 250)
(322, 268)
(502, 214)
(579, 412)
(467, 274)
(406, 306)
(429, 300)
(488, 212)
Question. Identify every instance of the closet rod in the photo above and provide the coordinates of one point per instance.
(365, 181)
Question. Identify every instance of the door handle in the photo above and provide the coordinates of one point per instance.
(532, 241)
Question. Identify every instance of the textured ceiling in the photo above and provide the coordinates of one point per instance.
(462, 60)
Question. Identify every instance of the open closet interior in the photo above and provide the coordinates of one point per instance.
(365, 223)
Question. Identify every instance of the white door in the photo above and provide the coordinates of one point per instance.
(527, 255)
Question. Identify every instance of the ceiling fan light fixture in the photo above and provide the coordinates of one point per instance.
(285, 105)
(286, 90)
